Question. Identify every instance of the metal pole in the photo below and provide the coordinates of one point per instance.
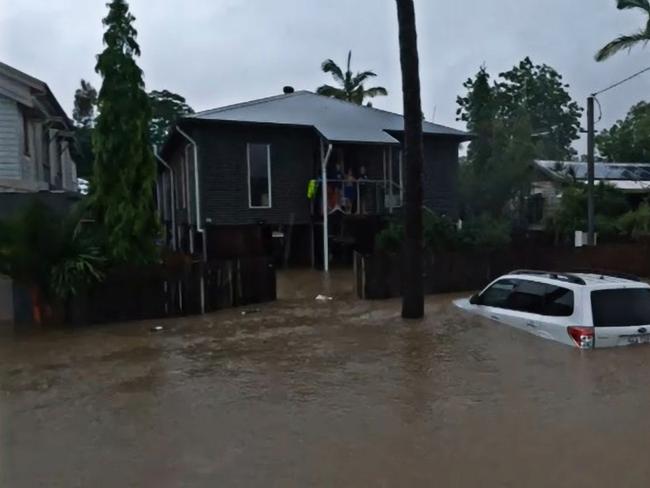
(326, 252)
(590, 173)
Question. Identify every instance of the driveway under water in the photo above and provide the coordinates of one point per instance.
(306, 393)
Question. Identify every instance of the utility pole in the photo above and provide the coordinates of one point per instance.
(591, 241)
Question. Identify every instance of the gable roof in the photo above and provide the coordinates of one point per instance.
(37, 88)
(336, 120)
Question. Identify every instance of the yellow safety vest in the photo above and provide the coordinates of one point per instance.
(311, 189)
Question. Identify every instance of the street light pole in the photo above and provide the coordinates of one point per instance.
(591, 241)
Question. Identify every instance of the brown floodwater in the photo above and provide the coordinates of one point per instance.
(306, 393)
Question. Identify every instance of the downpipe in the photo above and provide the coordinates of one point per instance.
(199, 221)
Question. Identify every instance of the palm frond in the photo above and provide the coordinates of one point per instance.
(626, 4)
(376, 91)
(331, 91)
(329, 66)
(621, 43)
(360, 78)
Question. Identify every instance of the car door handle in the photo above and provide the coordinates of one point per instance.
(494, 317)
(531, 324)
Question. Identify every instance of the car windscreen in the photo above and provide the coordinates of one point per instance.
(623, 307)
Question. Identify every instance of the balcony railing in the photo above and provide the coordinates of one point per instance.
(359, 197)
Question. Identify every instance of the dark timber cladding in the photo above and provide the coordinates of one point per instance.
(224, 172)
(286, 137)
(294, 161)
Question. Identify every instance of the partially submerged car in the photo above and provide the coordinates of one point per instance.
(584, 310)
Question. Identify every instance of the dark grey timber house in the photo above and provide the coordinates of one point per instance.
(232, 177)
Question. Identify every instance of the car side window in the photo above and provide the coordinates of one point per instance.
(497, 294)
(529, 296)
(558, 302)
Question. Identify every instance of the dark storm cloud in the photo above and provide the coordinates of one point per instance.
(218, 52)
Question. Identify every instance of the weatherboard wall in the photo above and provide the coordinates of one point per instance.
(10, 123)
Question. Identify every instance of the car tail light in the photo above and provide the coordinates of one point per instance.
(582, 336)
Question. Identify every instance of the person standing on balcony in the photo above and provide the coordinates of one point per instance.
(349, 192)
(364, 190)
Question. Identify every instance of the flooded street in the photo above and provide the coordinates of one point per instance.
(306, 393)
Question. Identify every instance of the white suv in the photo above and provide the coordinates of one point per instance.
(584, 310)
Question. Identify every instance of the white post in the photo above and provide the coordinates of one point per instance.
(324, 157)
(390, 179)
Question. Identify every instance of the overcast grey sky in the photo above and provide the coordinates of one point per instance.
(216, 52)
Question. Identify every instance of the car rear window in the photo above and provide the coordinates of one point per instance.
(623, 307)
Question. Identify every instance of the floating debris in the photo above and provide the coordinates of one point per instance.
(157, 328)
(323, 298)
(248, 312)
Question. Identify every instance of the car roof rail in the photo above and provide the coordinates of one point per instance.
(604, 272)
(576, 280)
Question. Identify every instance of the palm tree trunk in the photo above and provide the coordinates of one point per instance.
(412, 285)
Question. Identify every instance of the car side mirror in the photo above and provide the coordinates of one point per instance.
(475, 299)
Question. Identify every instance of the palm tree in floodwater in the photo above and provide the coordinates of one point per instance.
(351, 87)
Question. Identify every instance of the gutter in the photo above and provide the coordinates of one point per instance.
(173, 202)
(199, 223)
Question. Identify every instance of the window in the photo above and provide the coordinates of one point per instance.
(497, 295)
(531, 297)
(627, 307)
(259, 175)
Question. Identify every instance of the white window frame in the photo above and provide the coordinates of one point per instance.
(268, 173)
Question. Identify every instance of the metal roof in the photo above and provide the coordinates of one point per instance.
(336, 120)
(602, 171)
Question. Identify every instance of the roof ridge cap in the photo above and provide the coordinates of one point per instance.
(248, 103)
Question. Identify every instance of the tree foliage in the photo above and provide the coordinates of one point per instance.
(55, 255)
(525, 114)
(628, 140)
(166, 109)
(83, 114)
(628, 41)
(571, 215)
(124, 171)
(85, 104)
(351, 85)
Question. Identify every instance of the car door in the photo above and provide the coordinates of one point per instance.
(543, 309)
(621, 316)
(493, 301)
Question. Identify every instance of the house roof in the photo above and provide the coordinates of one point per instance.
(628, 177)
(38, 89)
(336, 120)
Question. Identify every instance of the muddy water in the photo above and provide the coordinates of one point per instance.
(303, 393)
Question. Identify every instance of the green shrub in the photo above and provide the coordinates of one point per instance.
(485, 233)
(441, 234)
(390, 239)
(635, 223)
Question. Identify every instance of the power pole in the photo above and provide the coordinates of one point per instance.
(591, 241)
(412, 284)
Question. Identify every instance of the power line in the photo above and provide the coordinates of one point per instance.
(621, 82)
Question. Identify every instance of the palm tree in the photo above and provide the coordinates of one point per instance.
(352, 88)
(412, 289)
(628, 41)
